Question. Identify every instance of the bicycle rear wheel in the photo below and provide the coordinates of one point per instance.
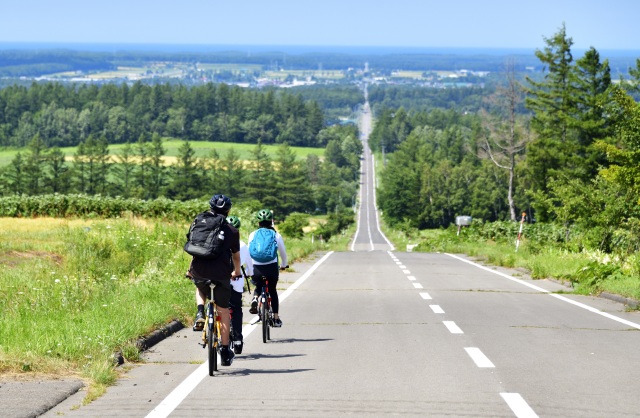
(265, 322)
(270, 322)
(212, 346)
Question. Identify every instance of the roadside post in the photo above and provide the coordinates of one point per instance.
(520, 231)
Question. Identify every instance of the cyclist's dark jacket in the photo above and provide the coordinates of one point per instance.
(218, 269)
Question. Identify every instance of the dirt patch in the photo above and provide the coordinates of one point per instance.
(15, 258)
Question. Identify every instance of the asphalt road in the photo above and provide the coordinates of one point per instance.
(379, 332)
(368, 236)
(383, 333)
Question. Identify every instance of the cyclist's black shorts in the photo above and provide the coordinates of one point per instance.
(270, 271)
(221, 291)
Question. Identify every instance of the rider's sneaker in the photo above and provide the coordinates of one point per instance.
(237, 347)
(226, 355)
(199, 324)
(254, 306)
(277, 322)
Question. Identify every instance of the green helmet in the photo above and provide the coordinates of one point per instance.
(264, 215)
(234, 221)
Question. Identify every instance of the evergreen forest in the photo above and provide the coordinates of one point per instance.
(40, 119)
(563, 149)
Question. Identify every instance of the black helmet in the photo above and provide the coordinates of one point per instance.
(234, 221)
(264, 215)
(220, 203)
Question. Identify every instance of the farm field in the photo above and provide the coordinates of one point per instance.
(322, 74)
(201, 148)
(163, 69)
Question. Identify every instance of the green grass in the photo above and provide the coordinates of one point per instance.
(74, 292)
(201, 148)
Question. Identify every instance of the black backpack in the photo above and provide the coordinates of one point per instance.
(205, 238)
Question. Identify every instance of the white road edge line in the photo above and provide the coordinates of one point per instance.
(175, 398)
(452, 327)
(563, 298)
(478, 357)
(518, 405)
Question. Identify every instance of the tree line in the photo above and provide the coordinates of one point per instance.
(68, 115)
(572, 158)
(283, 182)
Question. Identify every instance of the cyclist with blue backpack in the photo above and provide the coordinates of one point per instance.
(264, 246)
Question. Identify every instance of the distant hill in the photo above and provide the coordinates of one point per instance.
(38, 59)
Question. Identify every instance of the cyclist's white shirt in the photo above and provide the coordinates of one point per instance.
(284, 261)
(245, 258)
(247, 262)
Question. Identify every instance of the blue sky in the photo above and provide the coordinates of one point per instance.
(610, 24)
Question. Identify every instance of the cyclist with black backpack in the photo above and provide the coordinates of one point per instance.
(215, 247)
(264, 246)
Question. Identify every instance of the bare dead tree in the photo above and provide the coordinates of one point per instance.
(507, 134)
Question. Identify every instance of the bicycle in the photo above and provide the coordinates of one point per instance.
(265, 311)
(212, 333)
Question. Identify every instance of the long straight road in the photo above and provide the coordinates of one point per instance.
(368, 236)
(377, 332)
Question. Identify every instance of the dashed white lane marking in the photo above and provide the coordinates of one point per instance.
(398, 262)
(175, 398)
(436, 309)
(412, 278)
(406, 271)
(478, 357)
(518, 405)
(452, 327)
(417, 285)
(560, 297)
(425, 295)
(402, 266)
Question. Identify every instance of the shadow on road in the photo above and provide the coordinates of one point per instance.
(259, 356)
(247, 372)
(299, 340)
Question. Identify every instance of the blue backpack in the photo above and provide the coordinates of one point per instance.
(263, 248)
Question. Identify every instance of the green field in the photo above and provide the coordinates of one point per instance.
(202, 149)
